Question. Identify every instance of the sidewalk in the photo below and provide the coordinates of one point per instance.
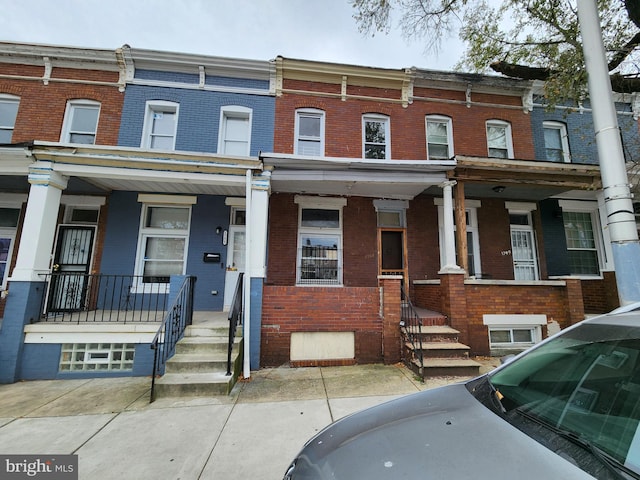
(252, 434)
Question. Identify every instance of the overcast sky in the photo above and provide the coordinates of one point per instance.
(321, 30)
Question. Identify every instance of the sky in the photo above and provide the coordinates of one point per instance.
(320, 30)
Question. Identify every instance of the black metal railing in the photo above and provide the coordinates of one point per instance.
(178, 316)
(235, 318)
(80, 298)
(411, 329)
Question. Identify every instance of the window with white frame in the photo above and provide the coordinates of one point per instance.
(8, 224)
(8, 113)
(160, 125)
(582, 242)
(474, 264)
(376, 137)
(556, 143)
(235, 131)
(499, 141)
(439, 137)
(163, 240)
(319, 259)
(309, 132)
(80, 122)
(96, 356)
(517, 331)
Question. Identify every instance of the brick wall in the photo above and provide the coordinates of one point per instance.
(288, 309)
(601, 295)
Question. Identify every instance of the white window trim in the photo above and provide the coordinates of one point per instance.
(564, 138)
(158, 105)
(322, 204)
(8, 232)
(508, 134)
(449, 122)
(532, 322)
(376, 117)
(230, 111)
(65, 134)
(6, 98)
(592, 209)
(393, 206)
(143, 234)
(309, 112)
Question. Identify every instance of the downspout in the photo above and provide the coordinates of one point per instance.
(246, 326)
(615, 184)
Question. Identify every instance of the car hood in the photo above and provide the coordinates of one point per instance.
(444, 433)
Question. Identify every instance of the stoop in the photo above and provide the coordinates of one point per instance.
(199, 366)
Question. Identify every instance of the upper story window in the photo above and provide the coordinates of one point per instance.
(556, 142)
(309, 134)
(234, 137)
(160, 125)
(8, 113)
(439, 137)
(499, 139)
(376, 137)
(80, 122)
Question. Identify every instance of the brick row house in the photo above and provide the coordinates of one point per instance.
(342, 193)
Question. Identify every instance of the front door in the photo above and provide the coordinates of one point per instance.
(72, 260)
(392, 252)
(525, 264)
(235, 262)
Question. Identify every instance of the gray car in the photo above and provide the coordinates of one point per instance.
(567, 408)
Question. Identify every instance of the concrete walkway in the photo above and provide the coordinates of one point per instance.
(252, 434)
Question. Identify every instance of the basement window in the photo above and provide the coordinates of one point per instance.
(82, 357)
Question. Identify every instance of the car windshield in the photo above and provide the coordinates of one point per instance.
(584, 384)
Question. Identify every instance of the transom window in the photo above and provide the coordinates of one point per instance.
(8, 113)
(375, 134)
(581, 243)
(439, 137)
(499, 139)
(162, 246)
(320, 242)
(235, 131)
(556, 142)
(161, 122)
(309, 132)
(81, 122)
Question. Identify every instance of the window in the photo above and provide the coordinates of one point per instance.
(512, 337)
(439, 137)
(309, 132)
(80, 122)
(375, 133)
(160, 125)
(499, 139)
(514, 331)
(582, 243)
(8, 113)
(320, 242)
(162, 246)
(96, 356)
(235, 131)
(8, 223)
(556, 142)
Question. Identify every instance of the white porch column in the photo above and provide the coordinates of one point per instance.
(448, 225)
(39, 228)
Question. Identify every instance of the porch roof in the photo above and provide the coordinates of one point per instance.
(108, 168)
(395, 179)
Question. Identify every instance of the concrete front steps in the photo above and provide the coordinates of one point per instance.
(199, 366)
(443, 355)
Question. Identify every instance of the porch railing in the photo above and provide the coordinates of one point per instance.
(80, 298)
(411, 328)
(235, 318)
(178, 316)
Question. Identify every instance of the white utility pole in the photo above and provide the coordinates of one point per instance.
(615, 184)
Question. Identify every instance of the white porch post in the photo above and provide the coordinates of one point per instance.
(39, 228)
(448, 225)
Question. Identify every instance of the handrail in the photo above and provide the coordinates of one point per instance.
(235, 317)
(176, 319)
(411, 327)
